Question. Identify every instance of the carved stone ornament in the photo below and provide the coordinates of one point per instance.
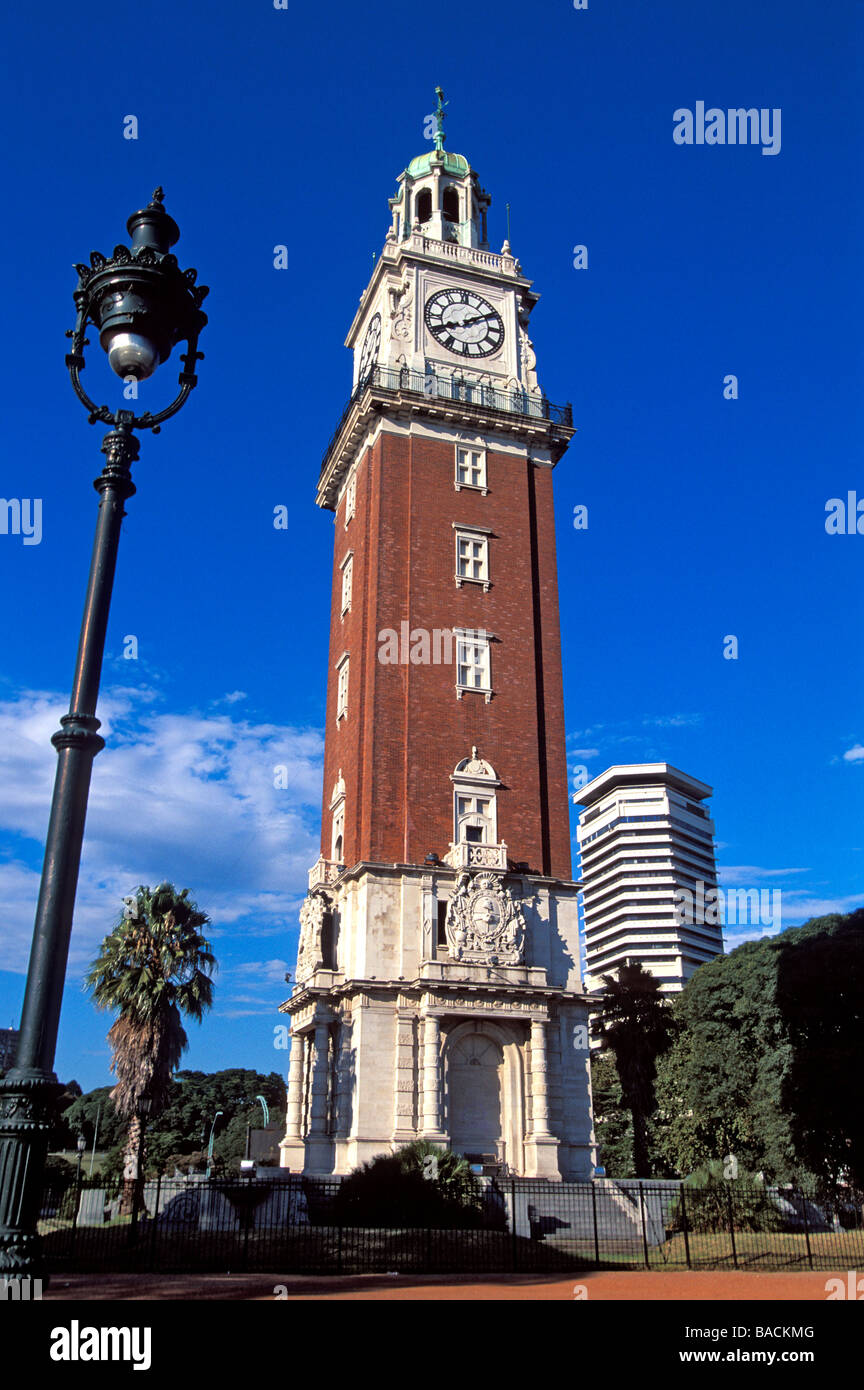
(401, 296)
(311, 953)
(485, 924)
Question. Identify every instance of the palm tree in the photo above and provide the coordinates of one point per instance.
(152, 968)
(634, 1022)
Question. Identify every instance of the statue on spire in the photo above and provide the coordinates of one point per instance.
(439, 119)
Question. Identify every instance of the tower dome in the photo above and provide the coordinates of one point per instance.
(440, 196)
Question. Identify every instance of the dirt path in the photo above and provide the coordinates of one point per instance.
(603, 1285)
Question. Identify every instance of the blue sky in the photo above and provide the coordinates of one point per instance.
(706, 516)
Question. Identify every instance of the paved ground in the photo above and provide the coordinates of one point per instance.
(604, 1285)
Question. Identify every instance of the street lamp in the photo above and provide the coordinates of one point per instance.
(210, 1145)
(142, 305)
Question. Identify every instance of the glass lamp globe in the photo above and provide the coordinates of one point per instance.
(131, 354)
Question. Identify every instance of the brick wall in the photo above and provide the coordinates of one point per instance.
(406, 730)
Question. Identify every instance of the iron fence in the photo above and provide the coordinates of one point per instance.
(297, 1224)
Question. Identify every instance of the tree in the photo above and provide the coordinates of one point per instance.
(154, 967)
(768, 1055)
(634, 1022)
(613, 1124)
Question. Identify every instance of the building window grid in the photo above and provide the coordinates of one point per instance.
(342, 690)
(350, 497)
(473, 667)
(347, 581)
(472, 558)
(471, 468)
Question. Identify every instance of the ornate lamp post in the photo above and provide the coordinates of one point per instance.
(142, 305)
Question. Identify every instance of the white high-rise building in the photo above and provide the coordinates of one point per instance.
(644, 837)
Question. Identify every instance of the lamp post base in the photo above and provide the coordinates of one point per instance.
(27, 1111)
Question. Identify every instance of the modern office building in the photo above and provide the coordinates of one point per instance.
(647, 854)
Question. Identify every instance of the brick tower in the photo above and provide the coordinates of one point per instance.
(438, 985)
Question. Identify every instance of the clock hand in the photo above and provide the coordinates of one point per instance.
(466, 323)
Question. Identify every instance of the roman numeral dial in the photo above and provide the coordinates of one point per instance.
(371, 344)
(464, 323)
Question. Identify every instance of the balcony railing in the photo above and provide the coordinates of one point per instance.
(324, 871)
(468, 854)
(432, 387)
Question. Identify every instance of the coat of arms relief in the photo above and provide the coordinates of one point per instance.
(485, 924)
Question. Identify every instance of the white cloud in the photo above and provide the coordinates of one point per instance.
(855, 754)
(673, 721)
(751, 875)
(795, 910)
(185, 797)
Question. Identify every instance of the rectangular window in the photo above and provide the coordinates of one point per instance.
(472, 558)
(350, 497)
(442, 925)
(347, 568)
(472, 662)
(342, 689)
(470, 468)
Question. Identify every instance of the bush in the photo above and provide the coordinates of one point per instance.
(708, 1198)
(419, 1185)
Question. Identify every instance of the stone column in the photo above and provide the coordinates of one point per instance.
(539, 1097)
(431, 1076)
(320, 1078)
(295, 1087)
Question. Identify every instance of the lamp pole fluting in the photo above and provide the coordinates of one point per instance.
(142, 304)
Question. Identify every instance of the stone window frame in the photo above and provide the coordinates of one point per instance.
(478, 637)
(463, 532)
(350, 496)
(471, 447)
(342, 687)
(347, 567)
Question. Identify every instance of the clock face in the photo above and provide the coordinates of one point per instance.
(371, 344)
(464, 323)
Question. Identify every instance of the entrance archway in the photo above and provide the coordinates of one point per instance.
(475, 1075)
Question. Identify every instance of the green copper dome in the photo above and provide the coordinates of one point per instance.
(438, 159)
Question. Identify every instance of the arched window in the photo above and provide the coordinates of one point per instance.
(337, 806)
(424, 205)
(451, 205)
(475, 811)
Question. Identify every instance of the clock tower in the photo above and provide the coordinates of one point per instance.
(439, 992)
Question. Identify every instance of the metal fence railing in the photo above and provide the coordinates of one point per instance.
(298, 1224)
(455, 388)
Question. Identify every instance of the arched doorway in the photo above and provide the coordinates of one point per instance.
(475, 1072)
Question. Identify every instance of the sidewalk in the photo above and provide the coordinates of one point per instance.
(732, 1286)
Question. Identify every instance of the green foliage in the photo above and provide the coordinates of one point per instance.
(179, 1135)
(715, 1203)
(94, 1116)
(613, 1123)
(634, 1023)
(152, 968)
(419, 1185)
(768, 1042)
